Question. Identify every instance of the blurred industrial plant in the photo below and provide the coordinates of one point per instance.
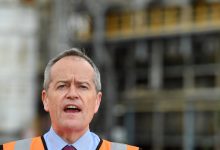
(159, 61)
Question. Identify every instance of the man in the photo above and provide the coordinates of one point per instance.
(71, 95)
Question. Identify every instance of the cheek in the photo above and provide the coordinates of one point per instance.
(95, 105)
(90, 104)
(53, 104)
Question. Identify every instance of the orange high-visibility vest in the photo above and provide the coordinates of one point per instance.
(38, 143)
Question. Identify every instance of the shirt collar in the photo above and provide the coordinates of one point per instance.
(83, 143)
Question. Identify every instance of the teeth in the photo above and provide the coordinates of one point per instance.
(71, 107)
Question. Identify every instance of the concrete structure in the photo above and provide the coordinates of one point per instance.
(18, 60)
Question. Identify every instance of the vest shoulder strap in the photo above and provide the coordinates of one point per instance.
(25, 144)
(107, 145)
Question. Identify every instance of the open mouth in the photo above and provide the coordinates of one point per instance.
(72, 109)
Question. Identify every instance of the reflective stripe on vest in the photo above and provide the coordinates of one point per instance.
(118, 146)
(106, 145)
(23, 144)
(26, 144)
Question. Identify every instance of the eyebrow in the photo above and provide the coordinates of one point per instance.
(83, 82)
(76, 81)
(62, 81)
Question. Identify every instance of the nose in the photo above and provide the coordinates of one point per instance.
(72, 92)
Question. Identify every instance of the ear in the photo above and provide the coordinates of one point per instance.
(98, 101)
(44, 98)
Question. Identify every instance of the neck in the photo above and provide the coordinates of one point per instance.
(69, 135)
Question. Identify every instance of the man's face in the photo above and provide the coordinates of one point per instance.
(71, 99)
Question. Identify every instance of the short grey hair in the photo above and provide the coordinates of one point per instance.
(71, 52)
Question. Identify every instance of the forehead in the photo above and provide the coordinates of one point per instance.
(72, 65)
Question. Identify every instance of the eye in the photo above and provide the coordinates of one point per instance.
(83, 86)
(61, 86)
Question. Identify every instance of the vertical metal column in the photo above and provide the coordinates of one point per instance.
(156, 72)
(188, 140)
(156, 75)
(188, 72)
(59, 33)
(186, 16)
(130, 125)
(188, 83)
(104, 61)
